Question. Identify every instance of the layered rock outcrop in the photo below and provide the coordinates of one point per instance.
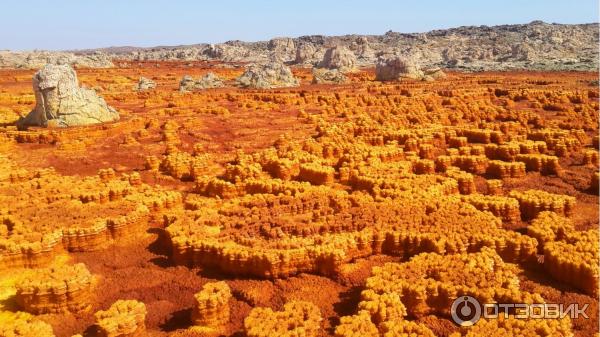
(60, 102)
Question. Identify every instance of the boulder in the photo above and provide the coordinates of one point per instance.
(307, 53)
(434, 73)
(338, 57)
(328, 76)
(144, 84)
(60, 102)
(395, 67)
(208, 81)
(267, 76)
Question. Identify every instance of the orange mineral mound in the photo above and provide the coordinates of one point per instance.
(361, 208)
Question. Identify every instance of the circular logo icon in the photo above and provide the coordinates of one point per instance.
(466, 311)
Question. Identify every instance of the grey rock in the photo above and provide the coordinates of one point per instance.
(144, 84)
(308, 54)
(328, 76)
(282, 49)
(395, 67)
(267, 76)
(60, 102)
(208, 81)
(434, 73)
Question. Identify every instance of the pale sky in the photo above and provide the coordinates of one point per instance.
(78, 24)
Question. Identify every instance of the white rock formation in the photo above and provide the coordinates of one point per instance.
(60, 102)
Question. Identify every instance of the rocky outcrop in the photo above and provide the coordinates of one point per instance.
(307, 53)
(338, 57)
(328, 76)
(37, 59)
(267, 76)
(282, 49)
(60, 102)
(144, 84)
(208, 81)
(233, 52)
(56, 290)
(125, 318)
(394, 68)
(362, 50)
(536, 45)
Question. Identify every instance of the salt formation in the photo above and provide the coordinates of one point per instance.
(124, 318)
(570, 256)
(21, 324)
(212, 306)
(56, 290)
(298, 318)
(60, 102)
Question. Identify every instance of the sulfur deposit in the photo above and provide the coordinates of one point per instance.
(297, 318)
(56, 290)
(212, 306)
(123, 318)
(287, 207)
